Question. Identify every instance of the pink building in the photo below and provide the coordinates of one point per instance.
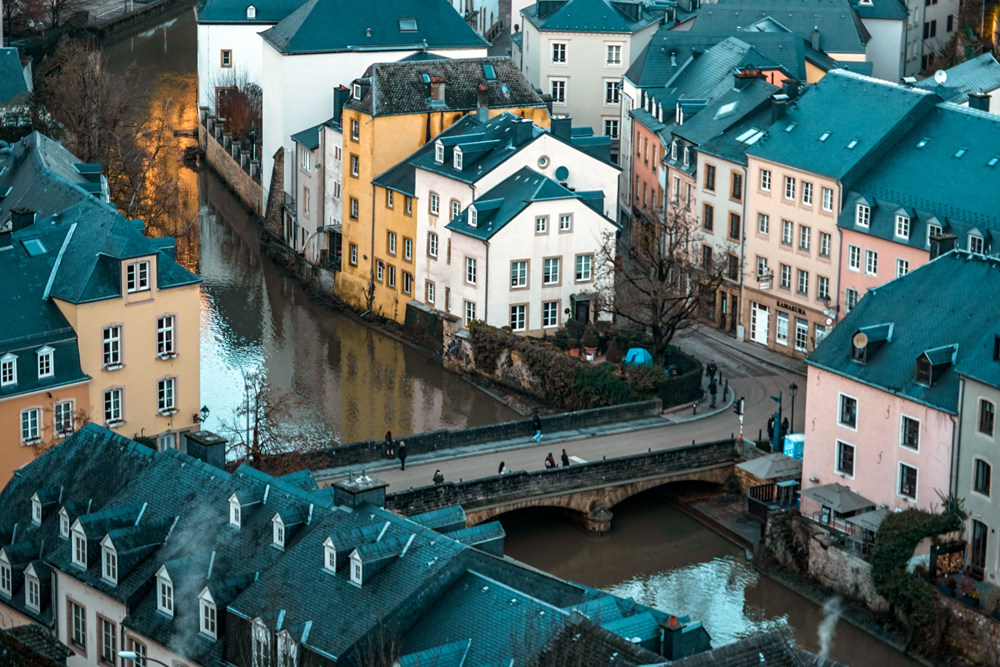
(883, 392)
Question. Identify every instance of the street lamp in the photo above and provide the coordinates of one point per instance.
(792, 390)
(199, 419)
(133, 656)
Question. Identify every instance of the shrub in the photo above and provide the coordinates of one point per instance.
(599, 385)
(613, 354)
(590, 337)
(575, 328)
(561, 339)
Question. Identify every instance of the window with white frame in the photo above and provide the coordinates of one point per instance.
(907, 481)
(785, 278)
(763, 223)
(355, 165)
(807, 193)
(432, 244)
(8, 370)
(550, 271)
(822, 288)
(354, 254)
(845, 459)
(611, 127)
(470, 270)
(789, 188)
(824, 244)
(853, 258)
(848, 415)
(801, 334)
(166, 395)
(109, 563)
(550, 314)
(140, 654)
(850, 298)
(439, 152)
(787, 232)
(765, 180)
(435, 203)
(871, 262)
(473, 216)
(781, 329)
(78, 624)
(306, 159)
(6, 581)
(687, 161)
(902, 226)
(392, 276)
(761, 267)
(109, 641)
(356, 569)
(329, 555)
(614, 55)
(827, 199)
(79, 555)
(976, 244)
(932, 230)
(986, 416)
(251, 12)
(518, 317)
(902, 267)
(355, 125)
(390, 199)
(137, 276)
(456, 158)
(165, 335)
(558, 53)
(30, 430)
(805, 234)
(557, 87)
(234, 511)
(164, 592)
(278, 532)
(982, 474)
(379, 271)
(519, 274)
(113, 406)
(565, 222)
(407, 283)
(36, 510)
(63, 523)
(46, 368)
(112, 346)
(909, 433)
(456, 208)
(541, 224)
(803, 282)
(862, 215)
(583, 263)
(33, 597)
(470, 312)
(611, 95)
(407, 249)
(392, 243)
(430, 292)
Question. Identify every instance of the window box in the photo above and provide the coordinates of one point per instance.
(113, 367)
(114, 423)
(166, 355)
(167, 412)
(31, 441)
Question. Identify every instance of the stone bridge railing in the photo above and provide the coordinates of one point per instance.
(499, 490)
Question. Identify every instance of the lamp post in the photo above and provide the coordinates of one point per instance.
(202, 417)
(792, 390)
(133, 656)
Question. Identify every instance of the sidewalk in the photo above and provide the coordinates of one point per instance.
(758, 352)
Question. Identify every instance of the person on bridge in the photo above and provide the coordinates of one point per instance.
(390, 448)
(565, 459)
(550, 462)
(503, 469)
(711, 370)
(537, 423)
(712, 391)
(402, 455)
(438, 477)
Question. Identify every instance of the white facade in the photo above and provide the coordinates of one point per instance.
(298, 92)
(482, 15)
(931, 20)
(245, 49)
(317, 183)
(886, 49)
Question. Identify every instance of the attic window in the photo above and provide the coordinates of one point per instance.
(234, 511)
(922, 142)
(473, 217)
(439, 152)
(356, 569)
(960, 152)
(993, 161)
(329, 556)
(164, 592)
(489, 72)
(862, 215)
(79, 548)
(251, 12)
(109, 563)
(207, 613)
(850, 146)
(36, 511)
(426, 78)
(790, 127)
(5, 575)
(45, 365)
(32, 591)
(457, 158)
(407, 25)
(278, 534)
(687, 156)
(996, 347)
(63, 523)
(673, 149)
(824, 136)
(924, 371)
(357, 91)
(750, 137)
(725, 110)
(34, 247)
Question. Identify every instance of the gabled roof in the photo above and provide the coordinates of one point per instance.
(13, 84)
(978, 362)
(881, 9)
(929, 310)
(235, 11)
(323, 26)
(32, 645)
(979, 75)
(599, 16)
(404, 88)
(752, 114)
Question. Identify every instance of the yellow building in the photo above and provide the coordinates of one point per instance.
(395, 109)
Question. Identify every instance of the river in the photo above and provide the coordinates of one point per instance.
(353, 383)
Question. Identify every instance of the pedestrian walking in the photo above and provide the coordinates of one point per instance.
(438, 477)
(565, 459)
(770, 428)
(402, 455)
(503, 469)
(713, 389)
(537, 423)
(550, 462)
(784, 430)
(390, 447)
(711, 370)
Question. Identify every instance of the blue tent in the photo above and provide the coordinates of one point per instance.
(638, 356)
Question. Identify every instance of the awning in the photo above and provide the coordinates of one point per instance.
(773, 466)
(869, 520)
(838, 498)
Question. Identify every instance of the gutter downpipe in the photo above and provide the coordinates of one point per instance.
(486, 282)
(956, 441)
(840, 252)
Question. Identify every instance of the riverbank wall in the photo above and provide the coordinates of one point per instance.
(138, 19)
(233, 163)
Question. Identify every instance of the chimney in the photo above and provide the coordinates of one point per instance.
(482, 103)
(437, 88)
(523, 131)
(340, 96)
(779, 104)
(208, 447)
(562, 128)
(5, 239)
(745, 77)
(670, 639)
(815, 38)
(358, 489)
(941, 244)
(547, 99)
(980, 101)
(790, 87)
(21, 218)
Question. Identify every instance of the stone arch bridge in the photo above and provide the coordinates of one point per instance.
(587, 490)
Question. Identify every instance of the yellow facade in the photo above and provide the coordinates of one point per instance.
(142, 368)
(382, 142)
(14, 454)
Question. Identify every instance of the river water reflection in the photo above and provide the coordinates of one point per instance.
(666, 560)
(351, 382)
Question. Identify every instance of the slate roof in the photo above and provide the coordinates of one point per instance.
(598, 16)
(769, 649)
(32, 645)
(309, 137)
(979, 75)
(13, 85)
(978, 362)
(841, 28)
(929, 308)
(881, 9)
(401, 87)
(851, 108)
(582, 642)
(714, 129)
(322, 26)
(235, 11)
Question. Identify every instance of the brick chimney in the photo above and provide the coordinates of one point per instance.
(437, 88)
(482, 103)
(21, 218)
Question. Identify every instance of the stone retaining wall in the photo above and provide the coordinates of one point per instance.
(218, 147)
(845, 573)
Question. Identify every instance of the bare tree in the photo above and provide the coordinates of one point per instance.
(59, 10)
(240, 101)
(50, 438)
(665, 279)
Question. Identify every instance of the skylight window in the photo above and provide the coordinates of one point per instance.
(725, 110)
(746, 135)
(960, 153)
(407, 25)
(824, 136)
(34, 247)
(922, 142)
(425, 77)
(851, 145)
(993, 161)
(490, 73)
(750, 137)
(790, 127)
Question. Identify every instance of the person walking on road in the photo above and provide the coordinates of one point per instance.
(438, 477)
(783, 432)
(712, 390)
(402, 455)
(770, 428)
(565, 459)
(389, 446)
(503, 469)
(711, 370)
(550, 462)
(537, 423)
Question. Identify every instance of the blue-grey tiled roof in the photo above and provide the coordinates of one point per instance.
(719, 116)
(322, 26)
(308, 138)
(979, 75)
(599, 16)
(13, 85)
(929, 308)
(235, 11)
(978, 362)
(881, 9)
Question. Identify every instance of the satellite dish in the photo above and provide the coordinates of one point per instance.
(860, 340)
(940, 77)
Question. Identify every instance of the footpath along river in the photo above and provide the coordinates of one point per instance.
(355, 383)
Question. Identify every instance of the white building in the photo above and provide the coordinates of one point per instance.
(930, 26)
(317, 179)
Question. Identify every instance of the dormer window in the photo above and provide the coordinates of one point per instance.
(687, 155)
(6, 582)
(329, 556)
(137, 277)
(79, 555)
(208, 623)
(439, 152)
(251, 12)
(8, 370)
(36, 510)
(902, 226)
(473, 217)
(976, 244)
(457, 158)
(234, 511)
(925, 373)
(932, 363)
(109, 562)
(63, 523)
(356, 569)
(357, 91)
(286, 650)
(862, 215)
(164, 592)
(278, 534)
(46, 368)
(673, 149)
(32, 590)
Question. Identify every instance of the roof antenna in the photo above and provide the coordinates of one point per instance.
(425, 45)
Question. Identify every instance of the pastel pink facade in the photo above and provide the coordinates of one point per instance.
(876, 438)
(854, 273)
